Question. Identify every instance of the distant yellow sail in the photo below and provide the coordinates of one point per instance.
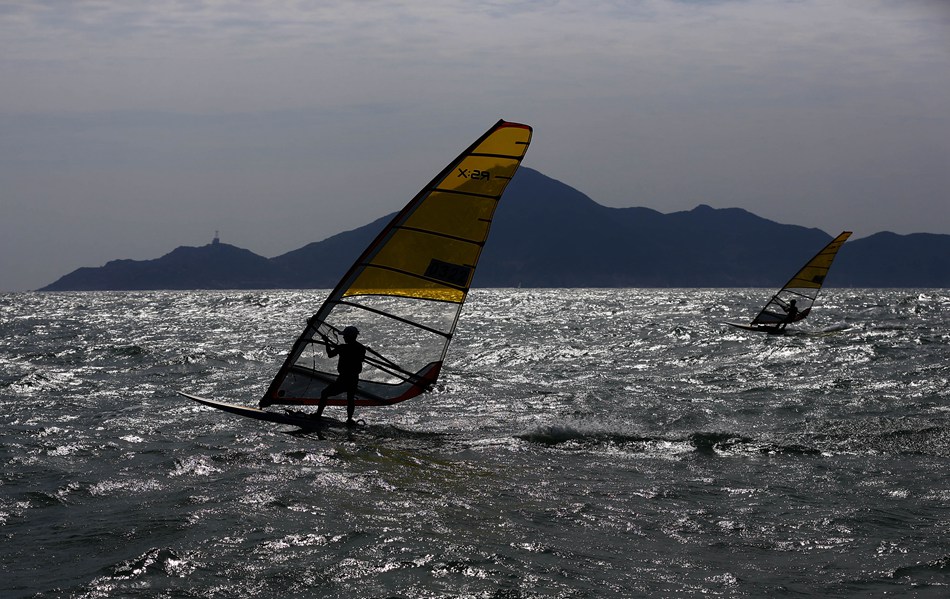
(802, 288)
(410, 283)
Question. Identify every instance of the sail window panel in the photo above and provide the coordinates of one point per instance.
(410, 348)
(480, 175)
(435, 315)
(301, 385)
(466, 217)
(402, 344)
(799, 294)
(413, 252)
(773, 315)
(377, 281)
(381, 389)
(316, 360)
(507, 141)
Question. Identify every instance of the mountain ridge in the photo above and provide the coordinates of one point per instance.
(548, 234)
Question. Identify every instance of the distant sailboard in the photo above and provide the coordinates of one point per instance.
(801, 291)
(406, 291)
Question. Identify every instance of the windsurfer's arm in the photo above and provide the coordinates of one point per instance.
(332, 349)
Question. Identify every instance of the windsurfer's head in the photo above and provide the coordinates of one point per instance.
(350, 333)
(791, 302)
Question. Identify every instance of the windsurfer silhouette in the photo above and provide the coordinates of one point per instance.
(350, 364)
(791, 311)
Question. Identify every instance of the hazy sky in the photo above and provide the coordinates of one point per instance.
(130, 128)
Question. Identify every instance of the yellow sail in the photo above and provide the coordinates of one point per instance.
(795, 299)
(406, 291)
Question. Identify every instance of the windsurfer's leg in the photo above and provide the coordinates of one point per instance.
(350, 405)
(328, 391)
(323, 401)
(323, 404)
(350, 409)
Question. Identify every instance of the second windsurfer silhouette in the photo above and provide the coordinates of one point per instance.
(791, 312)
(350, 364)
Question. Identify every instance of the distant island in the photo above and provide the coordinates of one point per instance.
(548, 234)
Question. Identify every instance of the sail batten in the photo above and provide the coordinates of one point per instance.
(415, 275)
(406, 291)
(456, 192)
(407, 321)
(445, 235)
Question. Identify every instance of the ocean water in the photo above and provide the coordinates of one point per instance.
(581, 443)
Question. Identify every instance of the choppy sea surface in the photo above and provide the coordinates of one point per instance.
(581, 443)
